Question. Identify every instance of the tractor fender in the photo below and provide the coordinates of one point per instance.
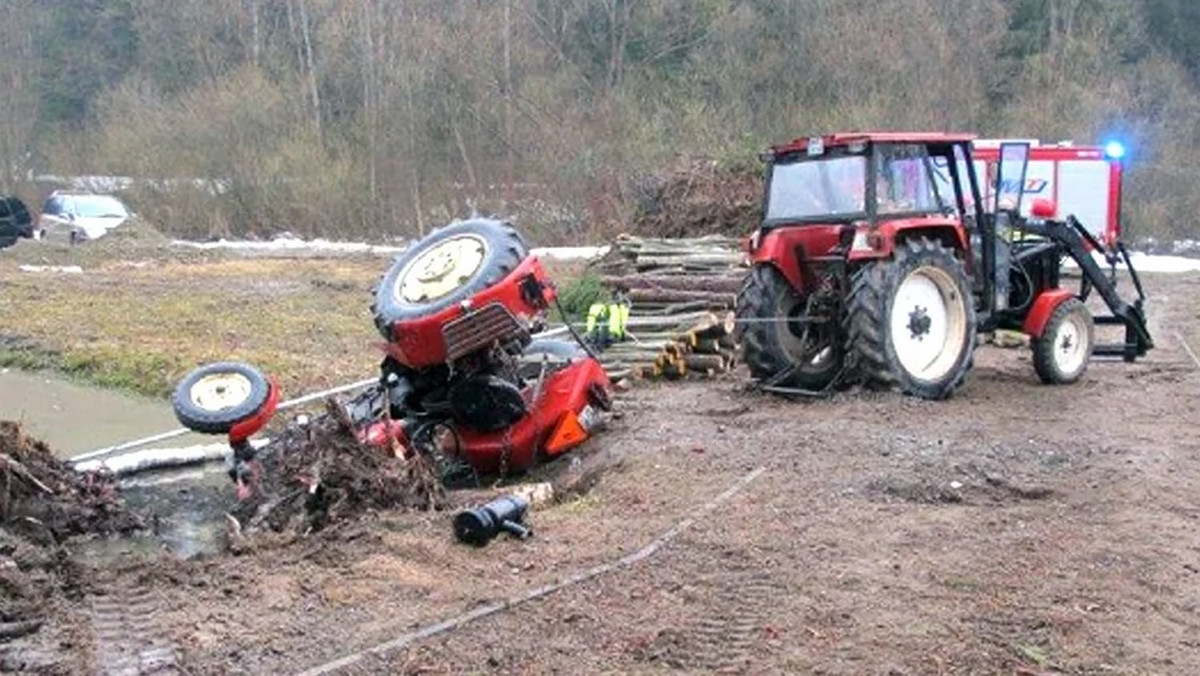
(784, 247)
(882, 241)
(1044, 306)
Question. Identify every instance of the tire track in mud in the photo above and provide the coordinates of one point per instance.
(721, 640)
(125, 640)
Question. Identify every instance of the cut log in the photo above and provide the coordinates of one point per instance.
(714, 363)
(712, 283)
(679, 296)
(714, 327)
(670, 322)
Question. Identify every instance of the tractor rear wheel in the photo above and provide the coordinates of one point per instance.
(1061, 354)
(772, 325)
(448, 266)
(911, 320)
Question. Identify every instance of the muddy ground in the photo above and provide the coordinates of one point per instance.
(1014, 529)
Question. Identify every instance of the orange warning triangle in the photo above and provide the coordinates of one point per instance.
(566, 434)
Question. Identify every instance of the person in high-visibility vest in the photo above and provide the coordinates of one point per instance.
(606, 321)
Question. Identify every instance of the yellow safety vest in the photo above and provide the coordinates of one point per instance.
(615, 314)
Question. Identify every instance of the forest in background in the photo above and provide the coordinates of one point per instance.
(382, 118)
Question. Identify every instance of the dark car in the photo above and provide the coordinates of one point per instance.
(15, 221)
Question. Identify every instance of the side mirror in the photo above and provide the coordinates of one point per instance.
(1043, 208)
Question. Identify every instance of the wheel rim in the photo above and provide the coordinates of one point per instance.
(1070, 344)
(800, 351)
(220, 391)
(441, 269)
(928, 323)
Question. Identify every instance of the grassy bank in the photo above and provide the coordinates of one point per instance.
(142, 325)
(142, 315)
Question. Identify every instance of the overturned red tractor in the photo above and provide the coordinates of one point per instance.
(879, 261)
(463, 381)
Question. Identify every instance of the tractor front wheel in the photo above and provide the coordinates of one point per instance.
(911, 320)
(780, 344)
(1061, 354)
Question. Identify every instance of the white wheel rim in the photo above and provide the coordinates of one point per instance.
(441, 269)
(220, 391)
(1070, 344)
(928, 324)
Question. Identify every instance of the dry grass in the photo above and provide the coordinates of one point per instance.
(143, 326)
(143, 314)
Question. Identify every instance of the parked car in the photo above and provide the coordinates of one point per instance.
(15, 221)
(81, 216)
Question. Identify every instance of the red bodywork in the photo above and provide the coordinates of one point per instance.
(1044, 306)
(785, 247)
(564, 396)
(564, 393)
(421, 343)
(248, 427)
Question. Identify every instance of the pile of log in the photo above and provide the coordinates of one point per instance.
(682, 293)
(709, 255)
(673, 346)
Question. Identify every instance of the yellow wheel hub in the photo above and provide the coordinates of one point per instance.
(220, 391)
(442, 269)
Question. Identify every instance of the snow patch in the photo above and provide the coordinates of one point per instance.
(65, 269)
(295, 244)
(1143, 262)
(162, 458)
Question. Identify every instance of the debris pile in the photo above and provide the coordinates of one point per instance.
(46, 501)
(320, 472)
(43, 502)
(703, 197)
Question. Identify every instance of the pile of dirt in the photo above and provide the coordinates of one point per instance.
(703, 197)
(46, 501)
(318, 473)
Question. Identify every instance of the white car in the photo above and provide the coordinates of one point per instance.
(81, 216)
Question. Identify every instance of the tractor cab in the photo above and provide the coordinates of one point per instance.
(860, 179)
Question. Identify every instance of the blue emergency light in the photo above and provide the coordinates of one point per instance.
(1114, 150)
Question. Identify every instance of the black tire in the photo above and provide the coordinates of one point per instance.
(1061, 354)
(869, 316)
(772, 348)
(503, 250)
(212, 419)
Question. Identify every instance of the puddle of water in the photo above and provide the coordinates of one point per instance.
(73, 418)
(187, 507)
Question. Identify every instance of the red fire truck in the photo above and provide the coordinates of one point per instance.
(1084, 181)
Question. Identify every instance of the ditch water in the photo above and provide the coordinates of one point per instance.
(73, 418)
(185, 506)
